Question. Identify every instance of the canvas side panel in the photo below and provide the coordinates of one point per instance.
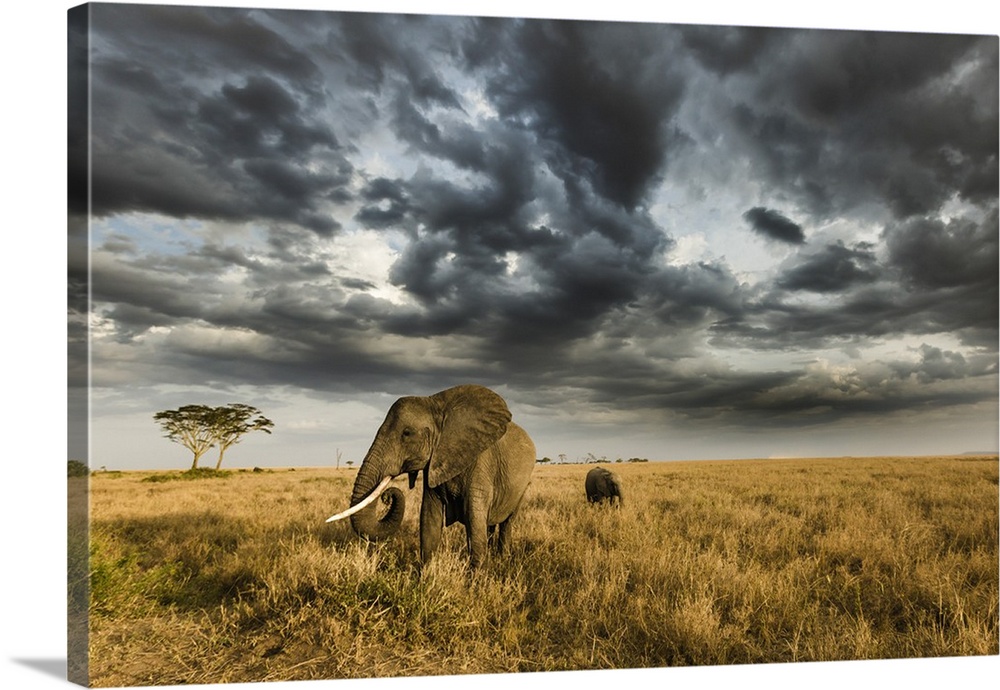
(78, 304)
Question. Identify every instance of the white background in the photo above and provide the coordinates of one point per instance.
(32, 611)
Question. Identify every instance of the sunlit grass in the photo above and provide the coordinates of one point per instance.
(239, 578)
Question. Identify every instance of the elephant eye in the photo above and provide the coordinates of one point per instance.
(407, 433)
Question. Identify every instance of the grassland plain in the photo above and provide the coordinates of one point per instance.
(238, 578)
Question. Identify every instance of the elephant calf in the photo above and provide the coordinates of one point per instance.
(602, 483)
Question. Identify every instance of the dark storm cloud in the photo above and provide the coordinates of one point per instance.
(813, 401)
(175, 134)
(950, 272)
(592, 255)
(516, 191)
(488, 213)
(242, 118)
(696, 294)
(383, 47)
(726, 49)
(601, 103)
(200, 40)
(773, 225)
(959, 253)
(835, 269)
(830, 118)
(943, 365)
(935, 277)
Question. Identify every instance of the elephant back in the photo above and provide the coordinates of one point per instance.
(601, 483)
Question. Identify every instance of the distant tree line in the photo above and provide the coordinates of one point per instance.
(590, 459)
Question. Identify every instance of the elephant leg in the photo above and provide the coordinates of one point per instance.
(475, 533)
(431, 525)
(503, 535)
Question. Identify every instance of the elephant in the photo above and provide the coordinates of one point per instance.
(476, 466)
(602, 483)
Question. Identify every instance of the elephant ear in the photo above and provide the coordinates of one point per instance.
(472, 418)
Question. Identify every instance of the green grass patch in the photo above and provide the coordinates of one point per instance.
(188, 475)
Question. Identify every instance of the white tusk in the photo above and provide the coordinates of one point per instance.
(359, 506)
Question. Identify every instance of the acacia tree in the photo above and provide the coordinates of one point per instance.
(200, 427)
(190, 426)
(230, 422)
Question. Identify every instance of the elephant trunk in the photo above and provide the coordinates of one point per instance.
(366, 522)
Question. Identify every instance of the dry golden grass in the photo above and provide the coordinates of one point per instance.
(239, 579)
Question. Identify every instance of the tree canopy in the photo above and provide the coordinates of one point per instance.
(231, 422)
(200, 427)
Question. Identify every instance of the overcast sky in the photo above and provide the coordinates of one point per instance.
(663, 241)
